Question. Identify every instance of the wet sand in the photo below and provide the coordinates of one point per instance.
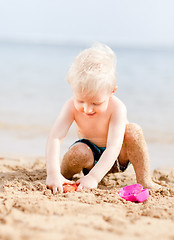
(28, 210)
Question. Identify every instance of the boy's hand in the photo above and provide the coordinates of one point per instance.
(88, 182)
(55, 182)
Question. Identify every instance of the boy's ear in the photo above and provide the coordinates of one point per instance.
(115, 88)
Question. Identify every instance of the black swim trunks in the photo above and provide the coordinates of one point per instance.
(97, 152)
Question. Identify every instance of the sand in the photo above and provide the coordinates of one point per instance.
(28, 210)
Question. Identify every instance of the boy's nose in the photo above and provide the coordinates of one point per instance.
(88, 108)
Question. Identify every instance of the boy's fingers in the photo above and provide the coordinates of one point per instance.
(61, 189)
(54, 190)
(80, 188)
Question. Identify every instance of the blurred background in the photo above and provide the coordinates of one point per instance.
(38, 42)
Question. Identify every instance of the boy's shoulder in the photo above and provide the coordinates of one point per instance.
(69, 103)
(117, 103)
(118, 108)
(68, 106)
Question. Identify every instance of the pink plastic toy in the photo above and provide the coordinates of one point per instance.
(134, 193)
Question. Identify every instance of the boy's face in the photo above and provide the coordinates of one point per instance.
(91, 105)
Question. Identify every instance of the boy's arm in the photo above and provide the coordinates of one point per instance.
(114, 143)
(59, 130)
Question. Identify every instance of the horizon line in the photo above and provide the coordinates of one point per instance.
(82, 43)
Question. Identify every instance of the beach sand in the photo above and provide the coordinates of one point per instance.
(28, 210)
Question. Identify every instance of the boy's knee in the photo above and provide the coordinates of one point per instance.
(133, 131)
(78, 155)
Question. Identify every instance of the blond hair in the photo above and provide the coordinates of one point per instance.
(93, 69)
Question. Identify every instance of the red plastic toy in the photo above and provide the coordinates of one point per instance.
(70, 187)
(134, 193)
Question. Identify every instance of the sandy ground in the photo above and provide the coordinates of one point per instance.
(29, 211)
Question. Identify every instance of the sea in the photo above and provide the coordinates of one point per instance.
(33, 89)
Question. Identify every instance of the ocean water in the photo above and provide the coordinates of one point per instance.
(33, 89)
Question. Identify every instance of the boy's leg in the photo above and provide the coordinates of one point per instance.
(135, 150)
(78, 157)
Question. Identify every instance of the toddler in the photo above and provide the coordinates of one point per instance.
(107, 141)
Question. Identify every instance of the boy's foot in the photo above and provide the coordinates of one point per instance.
(152, 186)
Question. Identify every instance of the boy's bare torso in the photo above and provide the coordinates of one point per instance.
(96, 128)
